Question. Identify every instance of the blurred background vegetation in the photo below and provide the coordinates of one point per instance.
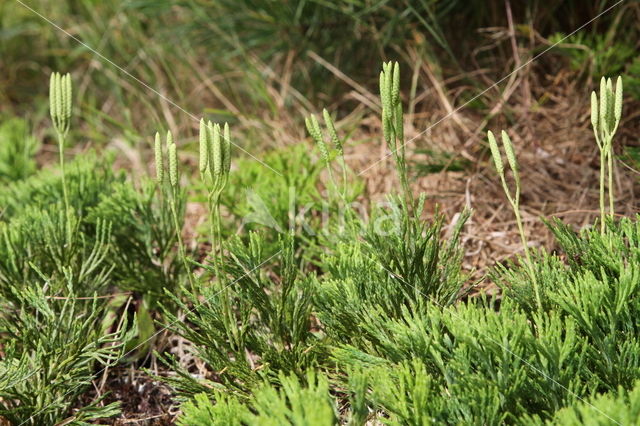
(263, 64)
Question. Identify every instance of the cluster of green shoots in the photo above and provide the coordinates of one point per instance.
(392, 129)
(606, 112)
(392, 121)
(60, 102)
(214, 167)
(215, 163)
(172, 163)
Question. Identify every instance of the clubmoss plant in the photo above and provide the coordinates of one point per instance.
(327, 156)
(215, 165)
(60, 94)
(514, 198)
(60, 343)
(392, 121)
(299, 401)
(269, 329)
(333, 135)
(606, 112)
(172, 154)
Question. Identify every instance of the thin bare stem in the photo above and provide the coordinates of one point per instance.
(603, 160)
(515, 205)
(610, 175)
(181, 248)
(65, 194)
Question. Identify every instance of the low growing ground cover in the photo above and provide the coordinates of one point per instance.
(299, 301)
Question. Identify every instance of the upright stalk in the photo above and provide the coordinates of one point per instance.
(178, 228)
(214, 166)
(514, 200)
(317, 135)
(215, 231)
(606, 112)
(219, 226)
(337, 142)
(525, 244)
(402, 172)
(602, 191)
(343, 165)
(610, 174)
(313, 127)
(65, 192)
(393, 124)
(173, 192)
(60, 94)
(223, 288)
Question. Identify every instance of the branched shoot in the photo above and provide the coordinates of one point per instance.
(606, 112)
(514, 198)
(172, 155)
(215, 165)
(327, 156)
(392, 121)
